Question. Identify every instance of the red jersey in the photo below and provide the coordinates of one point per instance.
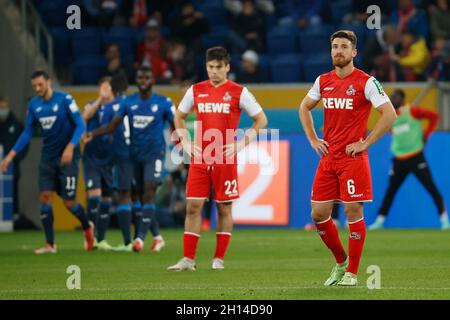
(218, 110)
(347, 104)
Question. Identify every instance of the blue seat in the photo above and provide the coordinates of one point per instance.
(315, 66)
(123, 37)
(214, 13)
(339, 9)
(87, 42)
(314, 41)
(281, 40)
(216, 37)
(287, 68)
(62, 54)
(88, 69)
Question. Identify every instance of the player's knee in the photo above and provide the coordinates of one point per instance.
(70, 203)
(124, 197)
(319, 216)
(353, 212)
(193, 209)
(46, 199)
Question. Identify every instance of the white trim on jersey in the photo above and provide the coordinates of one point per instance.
(187, 103)
(314, 92)
(248, 103)
(374, 92)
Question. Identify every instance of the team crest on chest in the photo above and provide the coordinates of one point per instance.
(154, 108)
(55, 108)
(227, 97)
(351, 91)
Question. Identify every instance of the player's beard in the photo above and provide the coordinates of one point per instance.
(342, 62)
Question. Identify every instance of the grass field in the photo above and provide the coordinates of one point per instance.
(261, 264)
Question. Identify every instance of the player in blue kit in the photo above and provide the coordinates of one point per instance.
(147, 113)
(62, 126)
(98, 161)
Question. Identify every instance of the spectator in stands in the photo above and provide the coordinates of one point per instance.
(359, 15)
(303, 13)
(247, 29)
(250, 71)
(408, 17)
(439, 67)
(136, 12)
(236, 6)
(101, 12)
(10, 130)
(414, 56)
(152, 52)
(115, 64)
(176, 56)
(440, 19)
(376, 55)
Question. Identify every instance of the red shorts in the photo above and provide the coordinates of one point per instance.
(345, 180)
(222, 178)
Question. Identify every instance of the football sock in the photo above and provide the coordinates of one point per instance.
(102, 221)
(47, 222)
(223, 240)
(154, 227)
(137, 216)
(355, 244)
(148, 214)
(92, 207)
(328, 231)
(78, 211)
(124, 219)
(190, 241)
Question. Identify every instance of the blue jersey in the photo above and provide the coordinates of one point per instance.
(147, 120)
(121, 137)
(99, 151)
(60, 122)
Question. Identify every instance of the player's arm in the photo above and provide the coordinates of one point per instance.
(374, 92)
(109, 127)
(179, 121)
(21, 143)
(90, 109)
(248, 103)
(80, 129)
(424, 114)
(308, 103)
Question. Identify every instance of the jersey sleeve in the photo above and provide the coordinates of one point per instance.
(187, 102)
(27, 132)
(248, 103)
(80, 125)
(122, 109)
(169, 110)
(374, 92)
(314, 92)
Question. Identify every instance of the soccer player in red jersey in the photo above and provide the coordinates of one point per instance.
(218, 103)
(343, 173)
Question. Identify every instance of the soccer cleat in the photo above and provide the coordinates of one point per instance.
(376, 226)
(445, 225)
(103, 246)
(217, 264)
(157, 245)
(47, 248)
(336, 274)
(183, 264)
(89, 237)
(123, 248)
(349, 280)
(138, 245)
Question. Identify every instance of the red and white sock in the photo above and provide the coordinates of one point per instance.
(190, 241)
(223, 240)
(355, 244)
(328, 231)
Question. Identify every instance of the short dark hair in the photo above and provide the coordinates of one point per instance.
(399, 92)
(104, 79)
(347, 34)
(40, 73)
(219, 54)
(145, 69)
(119, 83)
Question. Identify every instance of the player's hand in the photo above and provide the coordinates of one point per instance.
(67, 155)
(191, 149)
(320, 146)
(354, 148)
(87, 137)
(5, 164)
(230, 150)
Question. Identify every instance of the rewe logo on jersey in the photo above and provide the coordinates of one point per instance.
(214, 107)
(47, 122)
(141, 122)
(338, 103)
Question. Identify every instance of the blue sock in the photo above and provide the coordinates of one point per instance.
(102, 221)
(47, 222)
(78, 212)
(124, 218)
(92, 207)
(154, 226)
(137, 216)
(148, 214)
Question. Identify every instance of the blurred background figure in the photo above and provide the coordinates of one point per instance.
(236, 6)
(250, 71)
(115, 65)
(440, 19)
(303, 13)
(101, 12)
(439, 67)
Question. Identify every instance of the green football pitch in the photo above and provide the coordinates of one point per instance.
(260, 264)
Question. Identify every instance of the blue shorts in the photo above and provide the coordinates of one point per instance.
(98, 178)
(61, 179)
(134, 174)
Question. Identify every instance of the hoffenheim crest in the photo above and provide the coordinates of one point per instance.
(55, 108)
(154, 108)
